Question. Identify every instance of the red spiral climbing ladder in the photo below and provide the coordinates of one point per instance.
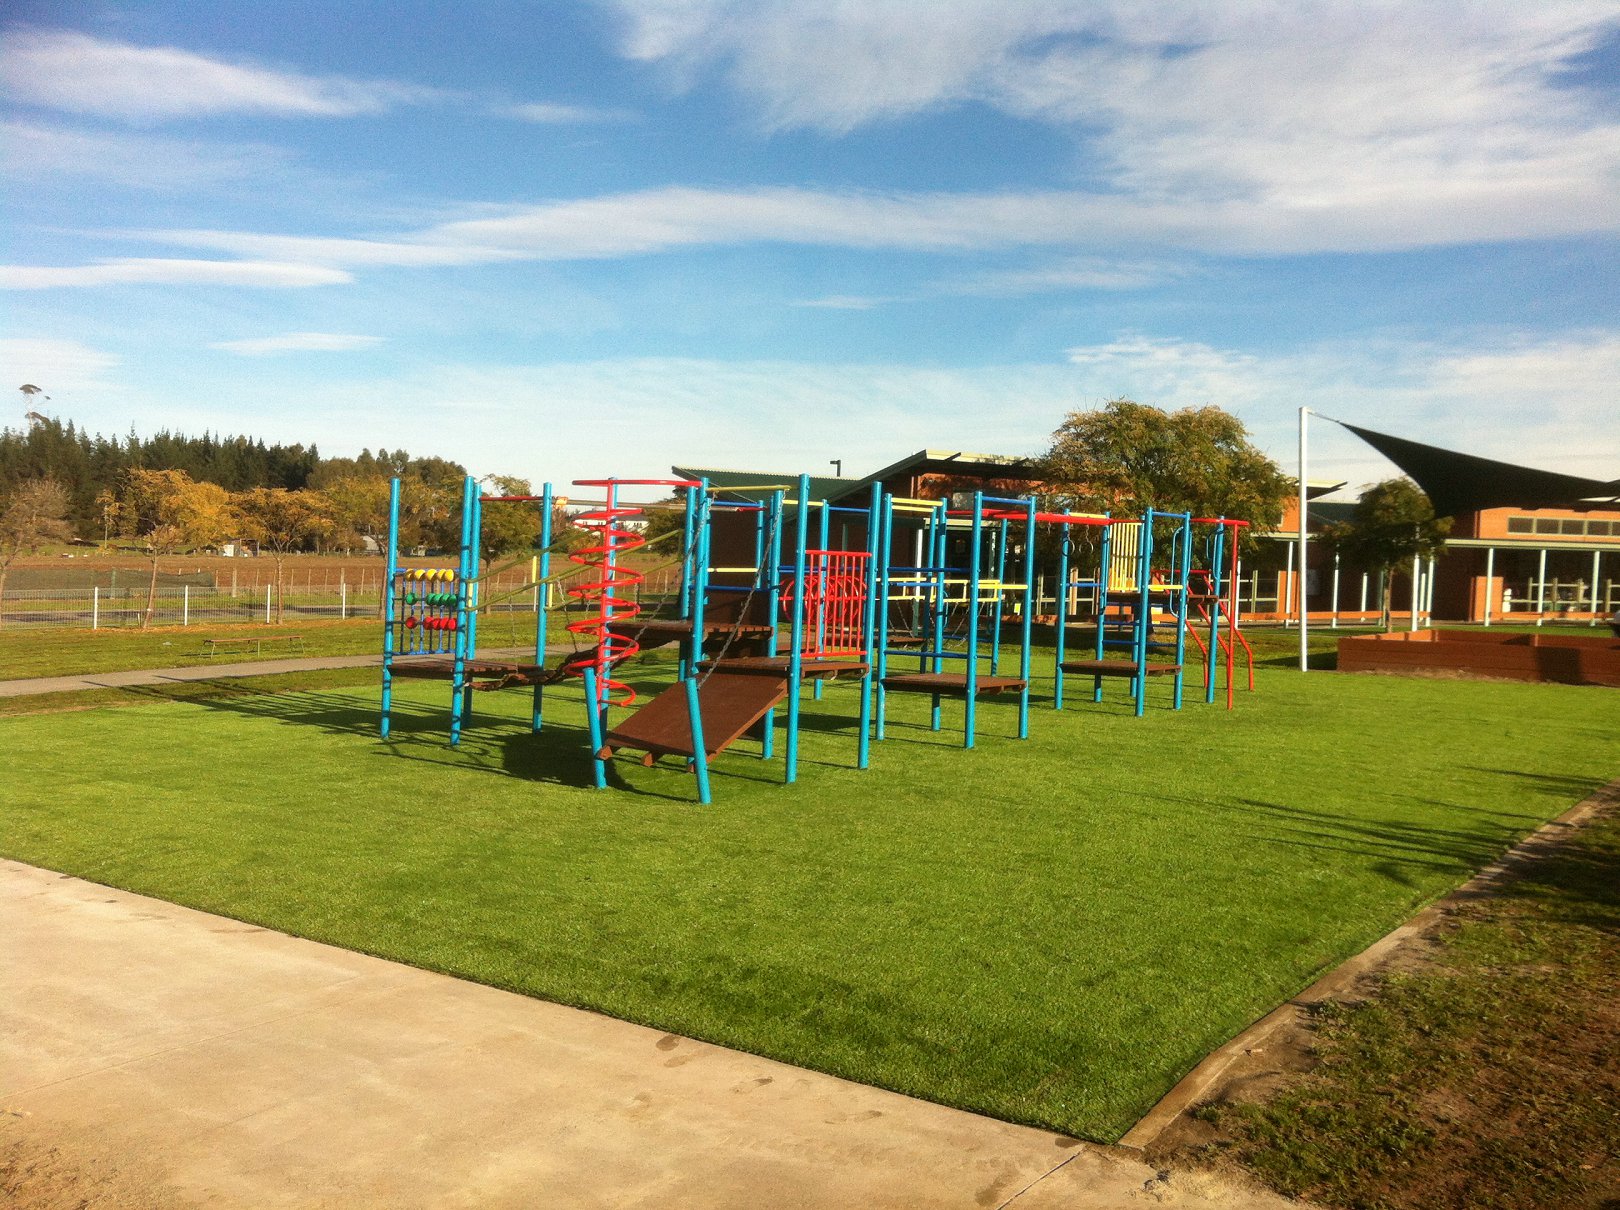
(607, 595)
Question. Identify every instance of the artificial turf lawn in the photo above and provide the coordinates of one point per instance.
(1050, 931)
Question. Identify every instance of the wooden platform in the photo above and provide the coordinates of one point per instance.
(657, 632)
(1115, 668)
(950, 684)
(816, 669)
(481, 674)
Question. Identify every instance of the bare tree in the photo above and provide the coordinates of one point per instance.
(34, 515)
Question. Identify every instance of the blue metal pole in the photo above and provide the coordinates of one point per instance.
(796, 654)
(700, 756)
(863, 751)
(1104, 574)
(938, 545)
(468, 618)
(1184, 568)
(595, 725)
(970, 719)
(884, 520)
(821, 622)
(1029, 602)
(388, 605)
(770, 568)
(1001, 576)
(703, 524)
(458, 637)
(1144, 612)
(544, 590)
(1061, 613)
(688, 536)
(1217, 564)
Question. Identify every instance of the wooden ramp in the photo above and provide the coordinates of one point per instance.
(733, 695)
(729, 703)
(1116, 668)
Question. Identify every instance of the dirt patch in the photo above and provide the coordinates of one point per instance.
(68, 1170)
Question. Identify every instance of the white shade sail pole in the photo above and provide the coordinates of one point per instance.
(1304, 644)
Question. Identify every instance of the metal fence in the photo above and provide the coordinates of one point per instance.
(304, 596)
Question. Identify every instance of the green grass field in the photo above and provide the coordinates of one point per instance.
(1050, 931)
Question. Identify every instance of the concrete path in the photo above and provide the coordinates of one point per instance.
(153, 1056)
(209, 672)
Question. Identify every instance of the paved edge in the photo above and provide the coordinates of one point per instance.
(1195, 1085)
(133, 677)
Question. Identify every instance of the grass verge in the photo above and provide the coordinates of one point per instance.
(1051, 931)
(1490, 1077)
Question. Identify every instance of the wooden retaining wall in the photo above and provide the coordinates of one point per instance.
(1566, 659)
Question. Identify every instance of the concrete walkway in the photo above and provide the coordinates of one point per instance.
(153, 1056)
(210, 672)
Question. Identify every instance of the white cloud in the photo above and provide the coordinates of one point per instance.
(298, 342)
(59, 367)
(66, 70)
(676, 217)
(159, 271)
(1536, 401)
(138, 161)
(1325, 124)
(548, 113)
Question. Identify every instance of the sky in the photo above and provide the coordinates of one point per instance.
(589, 239)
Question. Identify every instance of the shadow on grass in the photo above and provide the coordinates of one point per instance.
(1399, 848)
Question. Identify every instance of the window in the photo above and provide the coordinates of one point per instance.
(1572, 525)
(1519, 525)
(1546, 525)
(1601, 529)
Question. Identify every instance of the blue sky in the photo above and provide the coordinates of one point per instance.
(567, 240)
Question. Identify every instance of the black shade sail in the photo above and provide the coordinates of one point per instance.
(1462, 483)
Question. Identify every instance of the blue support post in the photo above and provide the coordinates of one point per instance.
(458, 674)
(884, 520)
(1144, 612)
(1216, 565)
(821, 623)
(543, 588)
(770, 568)
(1029, 609)
(1104, 575)
(939, 589)
(970, 717)
(863, 751)
(467, 614)
(1061, 635)
(700, 756)
(1001, 576)
(388, 605)
(1184, 574)
(596, 727)
(796, 653)
(703, 524)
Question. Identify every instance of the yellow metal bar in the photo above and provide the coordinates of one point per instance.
(736, 570)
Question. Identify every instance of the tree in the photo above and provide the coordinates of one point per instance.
(282, 522)
(32, 515)
(1394, 523)
(509, 529)
(169, 512)
(1127, 457)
